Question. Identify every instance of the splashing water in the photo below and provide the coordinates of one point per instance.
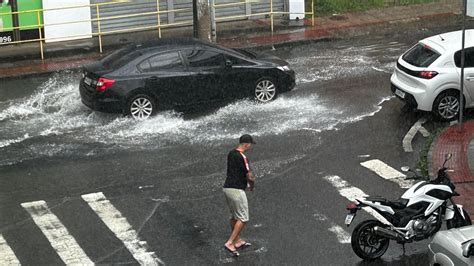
(53, 120)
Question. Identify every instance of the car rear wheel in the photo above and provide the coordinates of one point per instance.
(141, 107)
(446, 106)
(265, 90)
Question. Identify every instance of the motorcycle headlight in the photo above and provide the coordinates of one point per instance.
(284, 68)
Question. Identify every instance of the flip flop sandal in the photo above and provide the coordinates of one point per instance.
(234, 253)
(244, 246)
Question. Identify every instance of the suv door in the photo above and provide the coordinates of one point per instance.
(165, 76)
(207, 69)
(468, 70)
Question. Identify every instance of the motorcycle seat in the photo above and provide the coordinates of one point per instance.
(396, 204)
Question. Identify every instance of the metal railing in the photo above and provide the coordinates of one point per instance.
(270, 12)
(99, 19)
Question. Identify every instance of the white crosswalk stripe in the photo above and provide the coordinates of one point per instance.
(352, 193)
(342, 235)
(62, 242)
(387, 172)
(121, 228)
(7, 257)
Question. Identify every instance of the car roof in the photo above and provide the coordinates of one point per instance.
(177, 43)
(169, 43)
(450, 41)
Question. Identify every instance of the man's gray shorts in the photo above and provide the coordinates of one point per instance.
(237, 202)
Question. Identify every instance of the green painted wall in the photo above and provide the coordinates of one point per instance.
(29, 20)
(5, 20)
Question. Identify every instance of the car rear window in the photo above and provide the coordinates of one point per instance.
(119, 58)
(421, 55)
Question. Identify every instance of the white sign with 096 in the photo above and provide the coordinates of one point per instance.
(5, 39)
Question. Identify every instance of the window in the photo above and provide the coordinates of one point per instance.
(237, 61)
(468, 57)
(161, 62)
(421, 55)
(204, 59)
(120, 58)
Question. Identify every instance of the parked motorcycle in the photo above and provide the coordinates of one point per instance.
(417, 215)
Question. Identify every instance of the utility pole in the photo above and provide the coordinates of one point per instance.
(15, 20)
(201, 20)
(461, 94)
(213, 21)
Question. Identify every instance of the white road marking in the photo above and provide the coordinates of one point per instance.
(417, 127)
(121, 228)
(352, 193)
(380, 70)
(342, 236)
(62, 242)
(7, 255)
(387, 172)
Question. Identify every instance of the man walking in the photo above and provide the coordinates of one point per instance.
(239, 178)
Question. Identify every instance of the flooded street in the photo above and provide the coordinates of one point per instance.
(52, 121)
(164, 175)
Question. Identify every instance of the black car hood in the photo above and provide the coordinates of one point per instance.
(271, 59)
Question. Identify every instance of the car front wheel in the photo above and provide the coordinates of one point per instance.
(265, 90)
(141, 107)
(446, 105)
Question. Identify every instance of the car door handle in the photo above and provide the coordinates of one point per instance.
(153, 78)
(470, 78)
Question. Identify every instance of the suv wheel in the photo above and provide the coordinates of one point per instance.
(141, 107)
(446, 106)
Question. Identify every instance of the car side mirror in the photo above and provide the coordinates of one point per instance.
(468, 249)
(405, 169)
(228, 63)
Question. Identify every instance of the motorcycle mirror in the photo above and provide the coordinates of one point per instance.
(447, 157)
(405, 168)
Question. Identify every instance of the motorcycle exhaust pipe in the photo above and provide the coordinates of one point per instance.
(388, 233)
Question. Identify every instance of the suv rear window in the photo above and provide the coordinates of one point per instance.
(420, 55)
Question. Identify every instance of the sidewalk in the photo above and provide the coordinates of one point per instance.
(25, 59)
(461, 145)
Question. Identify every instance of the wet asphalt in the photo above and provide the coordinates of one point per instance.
(165, 175)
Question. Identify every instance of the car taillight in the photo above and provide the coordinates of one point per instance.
(352, 206)
(103, 83)
(427, 74)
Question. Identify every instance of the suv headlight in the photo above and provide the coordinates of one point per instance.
(284, 68)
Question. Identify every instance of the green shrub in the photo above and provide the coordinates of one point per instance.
(325, 7)
(338, 6)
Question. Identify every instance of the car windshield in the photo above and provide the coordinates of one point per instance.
(245, 53)
(421, 55)
(119, 58)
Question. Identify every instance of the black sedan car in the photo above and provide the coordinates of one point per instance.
(140, 80)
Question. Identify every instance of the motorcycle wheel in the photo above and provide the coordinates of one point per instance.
(365, 243)
(458, 221)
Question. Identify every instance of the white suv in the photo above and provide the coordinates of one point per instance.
(428, 75)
